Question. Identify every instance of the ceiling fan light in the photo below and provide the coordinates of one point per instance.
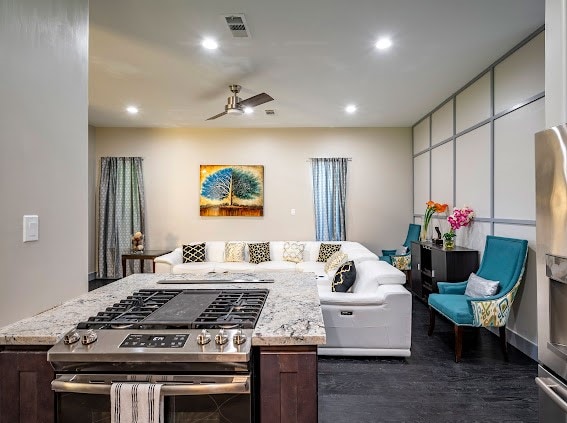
(234, 112)
(248, 110)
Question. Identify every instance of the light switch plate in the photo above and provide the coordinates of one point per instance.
(31, 227)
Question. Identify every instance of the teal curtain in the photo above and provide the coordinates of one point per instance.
(121, 212)
(329, 197)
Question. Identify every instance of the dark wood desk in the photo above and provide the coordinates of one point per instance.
(142, 255)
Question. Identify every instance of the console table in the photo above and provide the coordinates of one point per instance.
(142, 255)
(432, 263)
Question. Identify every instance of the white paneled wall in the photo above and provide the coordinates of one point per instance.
(477, 149)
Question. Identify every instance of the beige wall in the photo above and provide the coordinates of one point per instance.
(379, 180)
(43, 153)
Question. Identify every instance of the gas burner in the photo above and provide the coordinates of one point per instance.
(188, 309)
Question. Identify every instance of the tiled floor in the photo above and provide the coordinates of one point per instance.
(429, 386)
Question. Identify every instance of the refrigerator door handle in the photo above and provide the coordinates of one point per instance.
(557, 393)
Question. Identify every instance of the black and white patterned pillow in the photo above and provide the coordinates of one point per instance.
(345, 277)
(327, 250)
(259, 252)
(194, 253)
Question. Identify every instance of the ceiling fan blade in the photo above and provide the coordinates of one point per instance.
(256, 100)
(217, 116)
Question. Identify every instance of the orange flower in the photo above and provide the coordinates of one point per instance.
(440, 208)
(430, 204)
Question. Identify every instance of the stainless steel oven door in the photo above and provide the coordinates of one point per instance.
(215, 398)
(552, 398)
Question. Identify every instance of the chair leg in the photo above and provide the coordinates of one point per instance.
(503, 343)
(458, 342)
(431, 321)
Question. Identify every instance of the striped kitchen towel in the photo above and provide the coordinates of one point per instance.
(136, 403)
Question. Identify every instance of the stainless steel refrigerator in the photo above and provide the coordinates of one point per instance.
(551, 234)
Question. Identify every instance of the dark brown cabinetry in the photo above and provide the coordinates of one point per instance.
(25, 386)
(431, 264)
(288, 384)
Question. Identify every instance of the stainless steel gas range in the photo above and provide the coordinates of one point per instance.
(197, 343)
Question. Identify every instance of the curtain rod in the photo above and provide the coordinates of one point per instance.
(310, 159)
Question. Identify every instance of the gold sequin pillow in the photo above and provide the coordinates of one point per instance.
(234, 251)
(335, 261)
(259, 252)
(326, 250)
(293, 251)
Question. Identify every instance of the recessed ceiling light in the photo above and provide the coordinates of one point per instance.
(248, 110)
(133, 110)
(383, 43)
(350, 109)
(210, 44)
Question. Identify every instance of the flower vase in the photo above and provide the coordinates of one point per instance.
(423, 233)
(449, 244)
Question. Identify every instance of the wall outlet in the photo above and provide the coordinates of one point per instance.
(293, 212)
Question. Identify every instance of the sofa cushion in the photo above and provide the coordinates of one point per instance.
(345, 277)
(277, 265)
(259, 252)
(371, 274)
(234, 251)
(196, 267)
(194, 253)
(293, 251)
(337, 259)
(311, 266)
(326, 250)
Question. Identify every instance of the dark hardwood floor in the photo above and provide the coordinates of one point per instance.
(429, 387)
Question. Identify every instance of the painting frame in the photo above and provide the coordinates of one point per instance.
(231, 190)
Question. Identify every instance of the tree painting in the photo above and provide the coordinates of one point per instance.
(232, 190)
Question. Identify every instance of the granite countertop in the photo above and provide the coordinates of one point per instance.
(291, 315)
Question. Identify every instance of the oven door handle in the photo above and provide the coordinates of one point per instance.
(553, 391)
(166, 389)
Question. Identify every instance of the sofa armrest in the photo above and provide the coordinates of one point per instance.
(383, 294)
(457, 288)
(165, 263)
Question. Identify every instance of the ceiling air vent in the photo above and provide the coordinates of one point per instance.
(270, 112)
(237, 26)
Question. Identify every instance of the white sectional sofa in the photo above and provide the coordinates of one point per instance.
(214, 259)
(372, 319)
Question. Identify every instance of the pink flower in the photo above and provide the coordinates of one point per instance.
(460, 217)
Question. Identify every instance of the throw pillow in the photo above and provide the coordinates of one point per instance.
(259, 252)
(388, 252)
(478, 287)
(344, 278)
(234, 251)
(293, 251)
(326, 250)
(401, 250)
(402, 262)
(335, 261)
(194, 253)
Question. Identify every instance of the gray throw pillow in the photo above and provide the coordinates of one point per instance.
(478, 287)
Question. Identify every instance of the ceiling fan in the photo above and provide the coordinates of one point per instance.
(235, 105)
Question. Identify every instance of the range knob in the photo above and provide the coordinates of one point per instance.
(204, 337)
(239, 338)
(221, 338)
(71, 338)
(89, 337)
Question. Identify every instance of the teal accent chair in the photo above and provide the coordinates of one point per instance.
(504, 260)
(413, 235)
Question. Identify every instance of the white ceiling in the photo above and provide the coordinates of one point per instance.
(312, 56)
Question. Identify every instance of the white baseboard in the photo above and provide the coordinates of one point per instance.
(524, 345)
(92, 276)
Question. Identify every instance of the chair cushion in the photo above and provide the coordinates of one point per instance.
(455, 307)
(194, 253)
(293, 251)
(234, 251)
(478, 287)
(402, 262)
(388, 252)
(345, 277)
(326, 250)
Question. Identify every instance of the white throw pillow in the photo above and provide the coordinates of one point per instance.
(234, 251)
(293, 251)
(335, 261)
(400, 251)
(478, 287)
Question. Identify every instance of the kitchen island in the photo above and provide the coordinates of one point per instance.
(285, 341)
